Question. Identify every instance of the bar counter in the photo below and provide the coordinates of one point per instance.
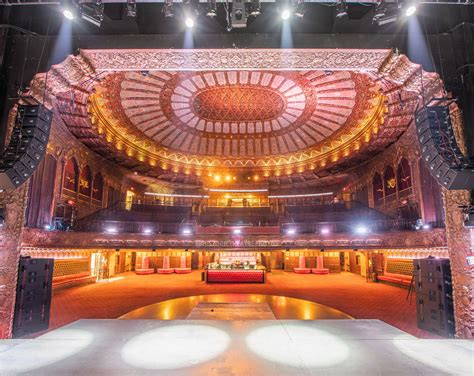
(235, 276)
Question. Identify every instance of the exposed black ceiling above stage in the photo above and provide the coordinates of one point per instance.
(319, 19)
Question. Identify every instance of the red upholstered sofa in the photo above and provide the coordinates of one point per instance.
(302, 269)
(182, 267)
(72, 279)
(398, 279)
(319, 269)
(166, 266)
(145, 269)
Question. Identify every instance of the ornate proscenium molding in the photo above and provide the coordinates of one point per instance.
(332, 108)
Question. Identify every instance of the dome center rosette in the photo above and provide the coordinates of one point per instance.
(238, 104)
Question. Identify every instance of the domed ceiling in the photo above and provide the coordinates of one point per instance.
(237, 118)
(170, 113)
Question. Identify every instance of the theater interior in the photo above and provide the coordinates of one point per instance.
(237, 187)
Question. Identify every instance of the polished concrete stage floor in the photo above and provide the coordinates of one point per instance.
(234, 348)
(235, 307)
(346, 292)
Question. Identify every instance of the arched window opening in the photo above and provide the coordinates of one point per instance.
(98, 187)
(71, 174)
(85, 182)
(390, 181)
(377, 186)
(404, 175)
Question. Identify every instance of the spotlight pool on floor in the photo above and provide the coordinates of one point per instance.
(174, 347)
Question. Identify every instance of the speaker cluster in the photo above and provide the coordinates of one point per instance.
(434, 296)
(440, 151)
(27, 145)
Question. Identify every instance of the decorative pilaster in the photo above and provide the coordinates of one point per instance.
(14, 203)
(460, 244)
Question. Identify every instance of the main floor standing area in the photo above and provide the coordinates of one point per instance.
(347, 292)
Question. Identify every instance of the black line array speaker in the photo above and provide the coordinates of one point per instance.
(440, 151)
(434, 296)
(27, 145)
(33, 296)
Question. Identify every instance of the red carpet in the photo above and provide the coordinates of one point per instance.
(347, 292)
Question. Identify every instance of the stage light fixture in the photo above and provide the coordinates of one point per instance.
(147, 231)
(211, 8)
(189, 22)
(131, 8)
(341, 9)
(68, 14)
(362, 230)
(237, 231)
(285, 14)
(410, 10)
(386, 13)
(325, 231)
(111, 230)
(255, 9)
(93, 13)
(291, 231)
(168, 9)
(239, 14)
(187, 231)
(426, 227)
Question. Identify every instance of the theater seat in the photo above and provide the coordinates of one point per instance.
(166, 266)
(182, 266)
(302, 269)
(320, 269)
(145, 269)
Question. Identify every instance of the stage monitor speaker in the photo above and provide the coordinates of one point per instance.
(33, 296)
(434, 296)
(440, 151)
(27, 145)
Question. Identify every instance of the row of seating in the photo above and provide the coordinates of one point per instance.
(166, 269)
(319, 269)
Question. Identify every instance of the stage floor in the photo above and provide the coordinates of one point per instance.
(208, 347)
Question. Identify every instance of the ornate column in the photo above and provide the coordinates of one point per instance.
(14, 203)
(460, 244)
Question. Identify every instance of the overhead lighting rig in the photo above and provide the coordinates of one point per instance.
(190, 12)
(341, 9)
(211, 8)
(386, 13)
(131, 9)
(93, 12)
(254, 8)
(168, 9)
(239, 14)
(295, 8)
